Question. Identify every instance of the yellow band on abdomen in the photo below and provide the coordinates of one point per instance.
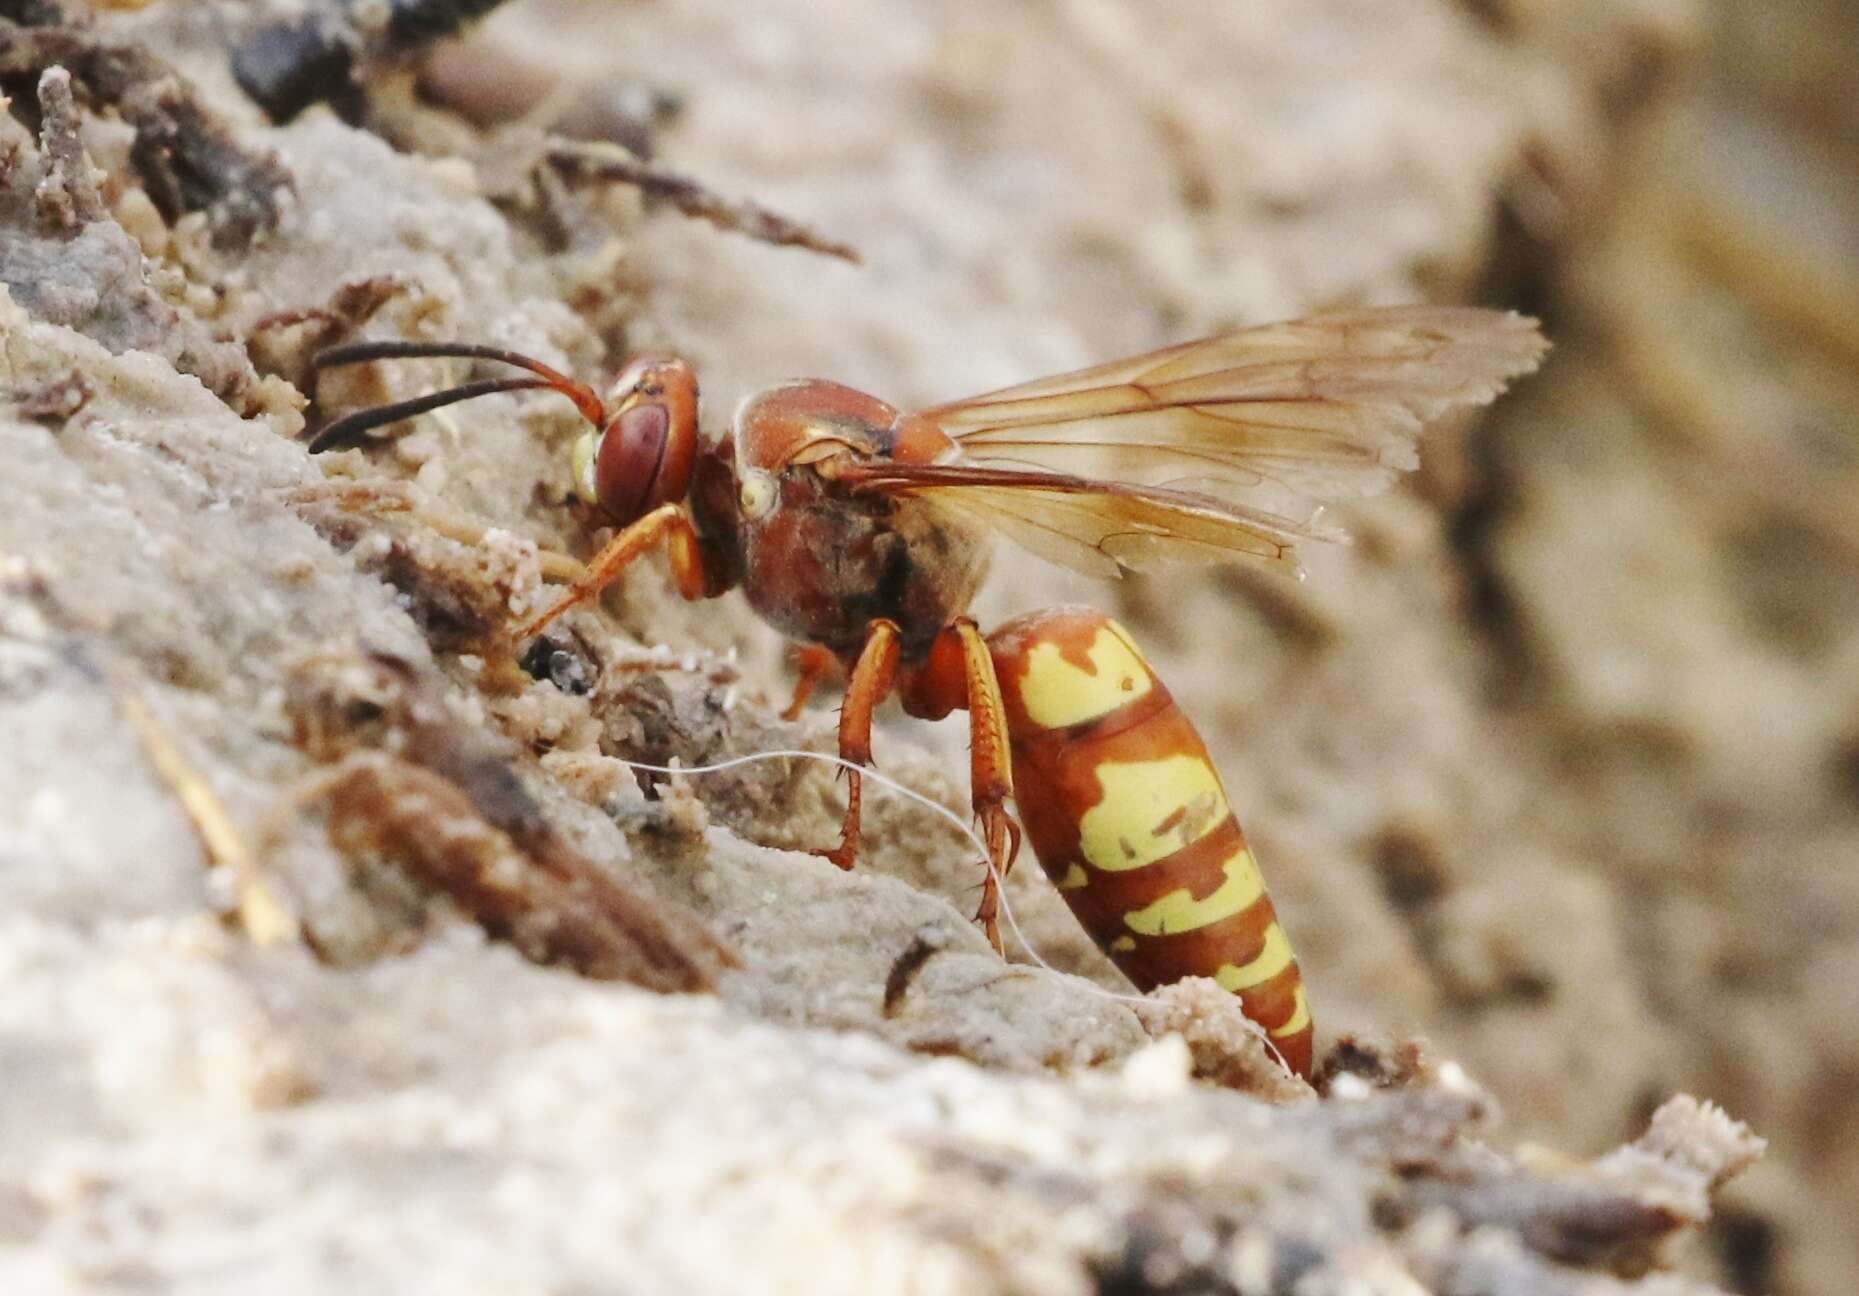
(1179, 911)
(1300, 1016)
(1058, 693)
(1274, 957)
(1150, 809)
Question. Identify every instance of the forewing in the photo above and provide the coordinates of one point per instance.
(1280, 417)
(1223, 448)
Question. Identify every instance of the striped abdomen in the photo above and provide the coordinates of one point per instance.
(1127, 815)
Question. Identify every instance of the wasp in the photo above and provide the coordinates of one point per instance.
(864, 532)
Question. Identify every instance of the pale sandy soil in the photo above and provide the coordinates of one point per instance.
(1553, 767)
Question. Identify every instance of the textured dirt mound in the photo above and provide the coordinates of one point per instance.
(1553, 764)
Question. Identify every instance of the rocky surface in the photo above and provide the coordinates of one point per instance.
(1553, 765)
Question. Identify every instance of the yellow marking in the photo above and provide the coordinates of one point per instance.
(758, 495)
(1274, 957)
(1300, 1018)
(1075, 877)
(586, 451)
(1150, 810)
(1057, 692)
(1179, 911)
(1123, 944)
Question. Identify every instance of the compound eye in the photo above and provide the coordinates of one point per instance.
(758, 494)
(629, 459)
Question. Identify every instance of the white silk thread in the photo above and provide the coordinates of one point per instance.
(936, 807)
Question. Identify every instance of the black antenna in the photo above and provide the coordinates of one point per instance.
(348, 430)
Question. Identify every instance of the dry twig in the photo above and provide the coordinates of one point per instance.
(409, 782)
(601, 162)
(262, 915)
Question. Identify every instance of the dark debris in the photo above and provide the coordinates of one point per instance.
(923, 947)
(284, 342)
(562, 665)
(409, 782)
(322, 54)
(53, 401)
(184, 155)
(66, 262)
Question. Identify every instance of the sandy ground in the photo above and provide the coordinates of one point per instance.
(1553, 766)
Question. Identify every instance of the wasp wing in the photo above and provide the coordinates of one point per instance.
(1225, 447)
(1090, 525)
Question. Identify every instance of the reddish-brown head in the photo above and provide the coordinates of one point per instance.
(642, 458)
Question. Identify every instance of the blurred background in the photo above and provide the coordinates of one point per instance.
(1559, 765)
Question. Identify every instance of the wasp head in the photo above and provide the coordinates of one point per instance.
(641, 457)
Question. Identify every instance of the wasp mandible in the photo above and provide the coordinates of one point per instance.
(865, 532)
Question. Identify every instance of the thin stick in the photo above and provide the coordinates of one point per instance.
(264, 917)
(404, 497)
(582, 160)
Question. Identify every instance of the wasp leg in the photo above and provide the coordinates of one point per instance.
(870, 684)
(815, 664)
(959, 672)
(668, 522)
(990, 772)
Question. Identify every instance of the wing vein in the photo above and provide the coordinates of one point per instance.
(1278, 420)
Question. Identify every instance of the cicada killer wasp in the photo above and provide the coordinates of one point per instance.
(864, 533)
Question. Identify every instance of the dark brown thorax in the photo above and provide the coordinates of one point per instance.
(820, 561)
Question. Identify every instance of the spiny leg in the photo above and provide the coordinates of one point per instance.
(960, 672)
(668, 522)
(870, 684)
(990, 772)
(815, 664)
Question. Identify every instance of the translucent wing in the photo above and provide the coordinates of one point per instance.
(1221, 448)
(1093, 526)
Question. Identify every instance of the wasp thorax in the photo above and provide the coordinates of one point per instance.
(808, 421)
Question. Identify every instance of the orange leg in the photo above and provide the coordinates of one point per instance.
(815, 664)
(668, 522)
(870, 684)
(960, 672)
(990, 772)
